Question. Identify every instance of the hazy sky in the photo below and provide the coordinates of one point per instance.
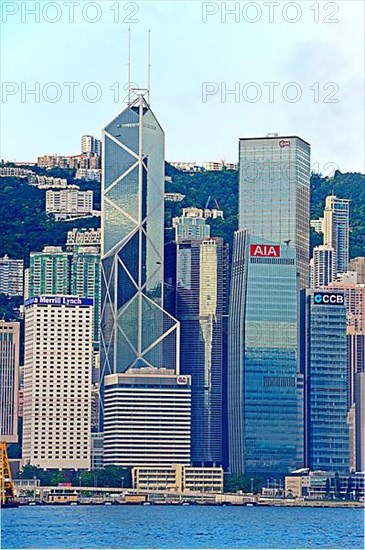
(311, 51)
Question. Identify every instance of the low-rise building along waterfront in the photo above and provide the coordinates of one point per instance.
(178, 478)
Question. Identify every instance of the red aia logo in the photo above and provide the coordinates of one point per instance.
(265, 250)
(284, 143)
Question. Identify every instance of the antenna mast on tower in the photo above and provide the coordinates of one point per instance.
(129, 66)
(149, 67)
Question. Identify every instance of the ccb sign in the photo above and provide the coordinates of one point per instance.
(328, 299)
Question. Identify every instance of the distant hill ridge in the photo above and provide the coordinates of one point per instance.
(25, 227)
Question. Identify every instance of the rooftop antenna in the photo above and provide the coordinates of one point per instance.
(149, 66)
(129, 66)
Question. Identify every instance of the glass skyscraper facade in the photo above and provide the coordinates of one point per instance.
(201, 308)
(324, 362)
(274, 187)
(136, 332)
(265, 389)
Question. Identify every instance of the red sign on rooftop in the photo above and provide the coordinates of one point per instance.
(265, 250)
(284, 143)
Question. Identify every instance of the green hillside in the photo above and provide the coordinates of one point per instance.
(25, 227)
(223, 187)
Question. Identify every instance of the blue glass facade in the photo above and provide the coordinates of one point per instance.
(325, 363)
(201, 308)
(274, 174)
(136, 332)
(265, 415)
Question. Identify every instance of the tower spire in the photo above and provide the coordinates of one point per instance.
(149, 67)
(129, 66)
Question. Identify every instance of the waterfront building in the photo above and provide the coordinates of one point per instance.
(9, 380)
(97, 452)
(265, 389)
(11, 276)
(274, 188)
(178, 478)
(139, 338)
(323, 266)
(324, 364)
(57, 382)
(136, 332)
(75, 272)
(201, 308)
(360, 421)
(147, 418)
(324, 485)
(336, 229)
(358, 265)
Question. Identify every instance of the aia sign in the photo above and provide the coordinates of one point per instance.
(265, 250)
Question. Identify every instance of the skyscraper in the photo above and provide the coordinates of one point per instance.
(274, 189)
(324, 266)
(265, 389)
(201, 307)
(57, 382)
(9, 376)
(135, 330)
(336, 228)
(53, 271)
(138, 337)
(324, 363)
(147, 419)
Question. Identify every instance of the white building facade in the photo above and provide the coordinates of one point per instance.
(69, 202)
(57, 382)
(336, 229)
(11, 276)
(147, 419)
(323, 266)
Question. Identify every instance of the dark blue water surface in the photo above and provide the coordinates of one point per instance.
(181, 527)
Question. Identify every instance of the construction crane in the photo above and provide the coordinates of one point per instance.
(7, 487)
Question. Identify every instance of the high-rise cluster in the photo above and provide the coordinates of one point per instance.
(164, 356)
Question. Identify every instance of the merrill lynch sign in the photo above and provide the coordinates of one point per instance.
(59, 301)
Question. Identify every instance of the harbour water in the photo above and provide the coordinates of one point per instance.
(181, 527)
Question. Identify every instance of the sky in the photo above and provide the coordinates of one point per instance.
(219, 71)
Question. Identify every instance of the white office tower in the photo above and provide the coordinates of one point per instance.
(147, 419)
(57, 381)
(336, 228)
(323, 266)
